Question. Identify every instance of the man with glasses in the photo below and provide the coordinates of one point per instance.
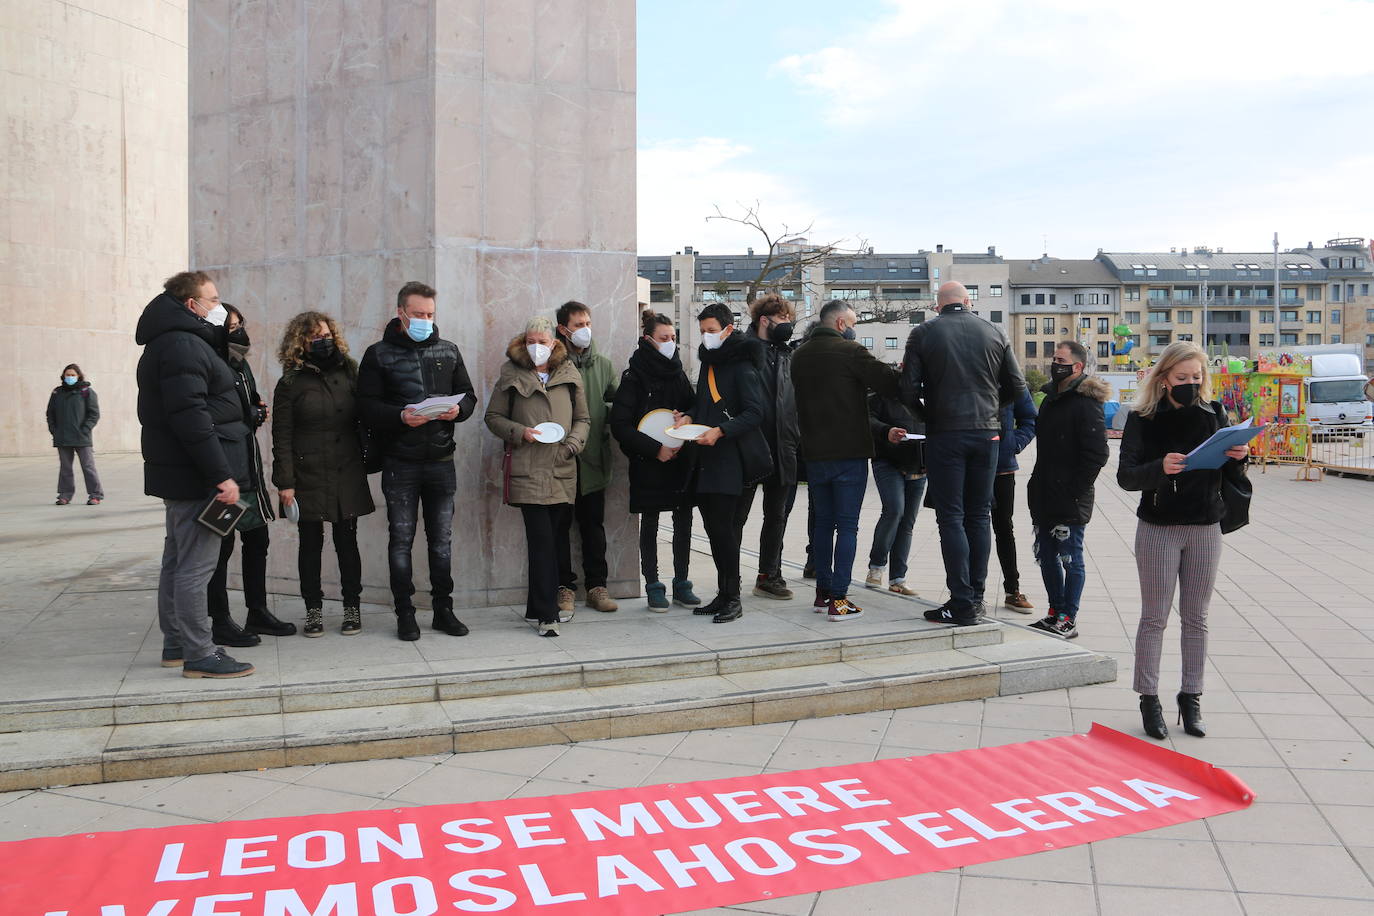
(195, 447)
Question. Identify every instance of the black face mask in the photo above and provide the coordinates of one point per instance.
(323, 352)
(780, 333)
(1060, 371)
(238, 336)
(1186, 395)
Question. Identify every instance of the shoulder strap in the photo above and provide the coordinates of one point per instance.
(711, 383)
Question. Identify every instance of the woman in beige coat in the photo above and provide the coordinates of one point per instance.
(539, 384)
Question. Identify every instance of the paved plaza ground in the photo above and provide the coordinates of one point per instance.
(1287, 704)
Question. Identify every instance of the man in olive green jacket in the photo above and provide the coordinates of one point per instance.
(593, 466)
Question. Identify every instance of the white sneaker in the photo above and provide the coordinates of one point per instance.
(874, 579)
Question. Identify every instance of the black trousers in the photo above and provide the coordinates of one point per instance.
(777, 500)
(254, 566)
(718, 519)
(589, 510)
(1003, 502)
(345, 548)
(542, 524)
(682, 544)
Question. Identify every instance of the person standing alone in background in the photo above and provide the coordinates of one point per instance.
(73, 411)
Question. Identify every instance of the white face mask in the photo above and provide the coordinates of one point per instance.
(217, 315)
(712, 340)
(581, 338)
(667, 348)
(539, 353)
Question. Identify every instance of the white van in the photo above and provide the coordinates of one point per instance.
(1336, 392)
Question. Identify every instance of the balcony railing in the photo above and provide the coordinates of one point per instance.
(1161, 325)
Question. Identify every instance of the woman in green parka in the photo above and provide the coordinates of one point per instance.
(317, 460)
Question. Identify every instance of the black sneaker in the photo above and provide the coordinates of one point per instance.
(731, 610)
(1046, 624)
(943, 614)
(772, 587)
(1064, 628)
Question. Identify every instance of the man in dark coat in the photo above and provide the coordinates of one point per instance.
(1072, 449)
(733, 451)
(958, 373)
(833, 375)
(410, 364)
(195, 446)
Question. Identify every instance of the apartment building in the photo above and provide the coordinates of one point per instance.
(1055, 299)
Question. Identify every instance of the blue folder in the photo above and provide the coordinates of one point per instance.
(1212, 453)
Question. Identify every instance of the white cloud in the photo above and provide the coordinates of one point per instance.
(681, 182)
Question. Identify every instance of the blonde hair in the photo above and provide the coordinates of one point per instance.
(539, 325)
(295, 340)
(1152, 388)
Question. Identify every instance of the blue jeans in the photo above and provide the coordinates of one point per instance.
(961, 465)
(1061, 566)
(901, 501)
(837, 490)
(409, 488)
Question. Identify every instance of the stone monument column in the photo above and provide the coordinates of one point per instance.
(486, 147)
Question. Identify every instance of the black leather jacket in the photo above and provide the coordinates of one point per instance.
(959, 372)
(397, 371)
(781, 427)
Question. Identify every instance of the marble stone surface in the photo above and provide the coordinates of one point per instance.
(92, 200)
(486, 147)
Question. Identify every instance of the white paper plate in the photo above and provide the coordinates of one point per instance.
(291, 513)
(433, 410)
(655, 425)
(548, 432)
(689, 432)
(914, 436)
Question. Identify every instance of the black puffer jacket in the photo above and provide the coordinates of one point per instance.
(73, 411)
(315, 447)
(885, 414)
(651, 382)
(721, 468)
(960, 372)
(397, 371)
(1072, 449)
(194, 432)
(1186, 498)
(781, 428)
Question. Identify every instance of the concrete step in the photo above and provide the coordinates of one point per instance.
(244, 728)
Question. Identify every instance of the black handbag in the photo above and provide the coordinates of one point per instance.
(1236, 490)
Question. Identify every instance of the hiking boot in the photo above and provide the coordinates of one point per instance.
(821, 603)
(566, 600)
(901, 588)
(548, 629)
(1063, 627)
(171, 658)
(1019, 603)
(314, 622)
(225, 632)
(598, 599)
(657, 593)
(683, 596)
(772, 587)
(445, 622)
(352, 622)
(874, 579)
(943, 614)
(842, 609)
(731, 610)
(261, 620)
(406, 627)
(217, 665)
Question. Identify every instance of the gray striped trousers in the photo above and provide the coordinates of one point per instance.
(1166, 556)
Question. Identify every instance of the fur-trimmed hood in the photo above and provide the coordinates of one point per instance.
(517, 354)
(1090, 386)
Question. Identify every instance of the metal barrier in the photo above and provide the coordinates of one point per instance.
(1280, 443)
(1341, 449)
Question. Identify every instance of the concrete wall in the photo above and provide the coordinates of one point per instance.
(484, 146)
(92, 200)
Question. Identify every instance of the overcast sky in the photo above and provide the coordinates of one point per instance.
(1032, 125)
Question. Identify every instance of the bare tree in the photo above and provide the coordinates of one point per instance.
(787, 252)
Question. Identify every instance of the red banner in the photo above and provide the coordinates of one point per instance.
(657, 849)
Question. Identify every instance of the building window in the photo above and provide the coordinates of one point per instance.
(1364, 289)
(1039, 298)
(1133, 294)
(1314, 340)
(1104, 349)
(1030, 324)
(1106, 298)
(1266, 340)
(1159, 294)
(1047, 326)
(1052, 299)
(1133, 318)
(1077, 298)
(1369, 314)
(1160, 340)
(1187, 337)
(1290, 294)
(1335, 316)
(1288, 315)
(996, 290)
(677, 276)
(1184, 316)
(1094, 298)
(935, 273)
(972, 292)
(890, 343)
(1266, 316)
(1335, 292)
(1314, 293)
(1335, 338)
(1085, 323)
(1288, 340)
(867, 342)
(1030, 347)
(1369, 340)
(1159, 317)
(996, 317)
(1103, 325)
(1314, 316)
(1025, 298)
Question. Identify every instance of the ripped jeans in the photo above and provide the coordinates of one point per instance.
(412, 487)
(1061, 566)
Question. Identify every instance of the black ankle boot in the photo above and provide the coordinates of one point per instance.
(1190, 714)
(406, 627)
(1152, 717)
(225, 632)
(261, 620)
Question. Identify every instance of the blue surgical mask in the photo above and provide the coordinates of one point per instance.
(419, 329)
(69, 380)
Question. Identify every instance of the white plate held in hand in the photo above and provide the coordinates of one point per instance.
(688, 432)
(548, 432)
(655, 424)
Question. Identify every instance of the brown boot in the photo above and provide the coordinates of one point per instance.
(598, 599)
